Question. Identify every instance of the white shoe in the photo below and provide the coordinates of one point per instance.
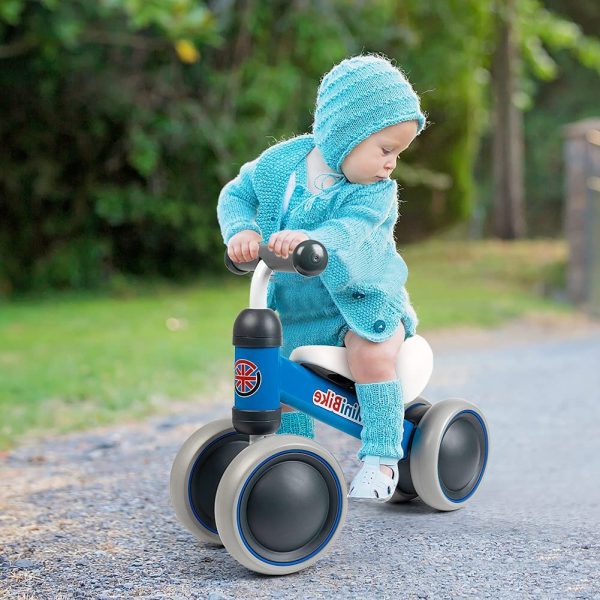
(371, 483)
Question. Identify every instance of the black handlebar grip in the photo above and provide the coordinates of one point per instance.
(309, 258)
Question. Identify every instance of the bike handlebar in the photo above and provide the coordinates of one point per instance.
(309, 258)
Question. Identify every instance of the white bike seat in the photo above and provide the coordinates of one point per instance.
(414, 365)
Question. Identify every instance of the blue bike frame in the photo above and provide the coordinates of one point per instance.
(264, 379)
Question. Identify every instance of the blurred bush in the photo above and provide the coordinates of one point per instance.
(122, 120)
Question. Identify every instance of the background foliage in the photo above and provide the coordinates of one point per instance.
(122, 119)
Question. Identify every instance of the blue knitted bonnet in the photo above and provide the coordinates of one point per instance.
(356, 98)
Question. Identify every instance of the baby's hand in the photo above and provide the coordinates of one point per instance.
(243, 246)
(284, 242)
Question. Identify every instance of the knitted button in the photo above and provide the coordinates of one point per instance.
(379, 326)
(358, 295)
(272, 219)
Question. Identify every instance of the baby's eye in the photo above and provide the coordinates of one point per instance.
(386, 151)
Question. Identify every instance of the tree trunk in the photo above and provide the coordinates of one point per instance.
(508, 206)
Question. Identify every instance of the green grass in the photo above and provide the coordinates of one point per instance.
(484, 283)
(74, 360)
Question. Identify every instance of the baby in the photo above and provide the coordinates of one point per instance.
(334, 186)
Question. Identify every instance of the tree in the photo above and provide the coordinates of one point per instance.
(507, 155)
(524, 28)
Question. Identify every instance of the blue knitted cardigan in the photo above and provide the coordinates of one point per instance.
(365, 275)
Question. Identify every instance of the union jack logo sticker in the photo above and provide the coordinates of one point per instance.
(247, 377)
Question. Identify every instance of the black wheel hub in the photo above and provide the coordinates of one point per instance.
(462, 456)
(289, 507)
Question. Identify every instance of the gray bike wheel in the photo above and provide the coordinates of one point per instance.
(449, 454)
(196, 472)
(281, 504)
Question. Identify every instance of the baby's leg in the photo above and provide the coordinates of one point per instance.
(296, 422)
(371, 362)
(373, 367)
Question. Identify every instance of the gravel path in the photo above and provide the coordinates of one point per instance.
(88, 515)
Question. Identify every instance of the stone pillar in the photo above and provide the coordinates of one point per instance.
(582, 212)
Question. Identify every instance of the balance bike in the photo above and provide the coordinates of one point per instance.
(278, 502)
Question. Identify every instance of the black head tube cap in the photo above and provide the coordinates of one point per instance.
(257, 328)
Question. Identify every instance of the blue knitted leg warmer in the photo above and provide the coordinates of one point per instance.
(382, 413)
(297, 423)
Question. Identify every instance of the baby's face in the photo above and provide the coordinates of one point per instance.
(374, 159)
